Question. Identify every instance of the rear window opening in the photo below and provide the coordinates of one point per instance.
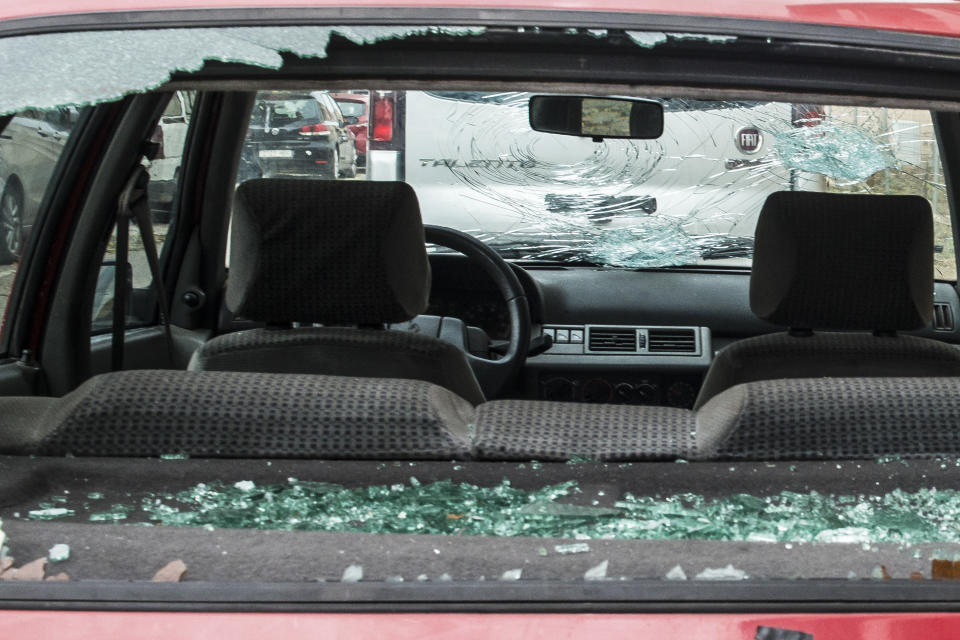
(658, 506)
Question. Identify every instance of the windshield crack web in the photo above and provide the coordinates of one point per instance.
(690, 197)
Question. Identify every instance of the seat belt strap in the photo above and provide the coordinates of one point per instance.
(134, 204)
(121, 273)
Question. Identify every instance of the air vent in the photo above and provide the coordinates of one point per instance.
(942, 316)
(672, 341)
(613, 340)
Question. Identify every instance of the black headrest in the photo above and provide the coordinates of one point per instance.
(333, 252)
(843, 261)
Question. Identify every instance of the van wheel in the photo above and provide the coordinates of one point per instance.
(11, 223)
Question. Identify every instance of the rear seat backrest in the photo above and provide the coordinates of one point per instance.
(539, 430)
(236, 414)
(251, 415)
(836, 418)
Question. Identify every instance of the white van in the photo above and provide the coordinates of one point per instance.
(692, 194)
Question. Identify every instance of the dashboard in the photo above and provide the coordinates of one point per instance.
(621, 336)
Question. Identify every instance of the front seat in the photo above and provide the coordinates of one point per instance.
(846, 262)
(349, 255)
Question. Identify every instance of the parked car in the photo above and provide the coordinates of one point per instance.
(300, 134)
(355, 107)
(32, 145)
(642, 323)
(29, 148)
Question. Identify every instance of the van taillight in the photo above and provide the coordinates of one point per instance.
(807, 115)
(383, 120)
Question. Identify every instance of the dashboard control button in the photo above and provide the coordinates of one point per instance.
(558, 389)
(563, 336)
(646, 393)
(624, 392)
(597, 390)
(576, 336)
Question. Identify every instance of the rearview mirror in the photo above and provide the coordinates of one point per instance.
(597, 118)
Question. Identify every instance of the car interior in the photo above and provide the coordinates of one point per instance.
(328, 333)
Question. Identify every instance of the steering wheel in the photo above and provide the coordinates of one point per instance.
(492, 375)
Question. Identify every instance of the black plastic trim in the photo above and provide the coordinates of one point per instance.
(651, 596)
(474, 16)
(744, 66)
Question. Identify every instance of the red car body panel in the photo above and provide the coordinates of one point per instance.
(78, 625)
(921, 17)
(930, 17)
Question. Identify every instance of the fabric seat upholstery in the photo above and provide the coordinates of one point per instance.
(836, 418)
(332, 253)
(555, 431)
(250, 415)
(859, 265)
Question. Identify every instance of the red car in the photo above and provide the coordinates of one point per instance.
(642, 321)
(355, 107)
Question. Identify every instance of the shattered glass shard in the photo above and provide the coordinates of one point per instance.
(115, 513)
(73, 70)
(647, 39)
(656, 243)
(728, 572)
(454, 508)
(546, 508)
(59, 553)
(846, 534)
(50, 513)
(353, 573)
(835, 150)
(705, 37)
(677, 573)
(598, 572)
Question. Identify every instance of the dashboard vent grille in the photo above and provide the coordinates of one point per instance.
(613, 340)
(672, 341)
(942, 316)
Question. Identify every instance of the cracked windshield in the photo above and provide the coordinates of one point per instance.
(688, 197)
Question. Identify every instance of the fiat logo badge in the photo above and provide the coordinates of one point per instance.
(749, 140)
(275, 131)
